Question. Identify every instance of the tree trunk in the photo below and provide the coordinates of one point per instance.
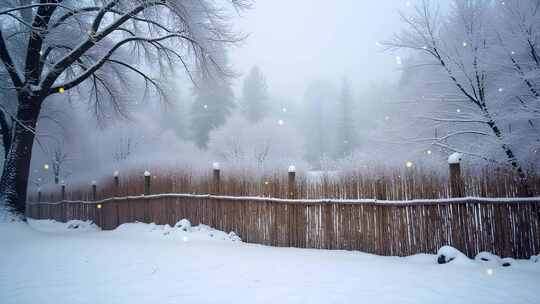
(14, 181)
(523, 187)
(6, 133)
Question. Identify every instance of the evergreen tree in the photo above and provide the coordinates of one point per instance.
(214, 101)
(255, 95)
(347, 137)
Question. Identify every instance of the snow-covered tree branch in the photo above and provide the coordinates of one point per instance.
(91, 45)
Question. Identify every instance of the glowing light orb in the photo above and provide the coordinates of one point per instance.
(46, 167)
(409, 164)
(61, 90)
(98, 206)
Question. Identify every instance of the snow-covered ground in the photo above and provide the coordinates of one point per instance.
(50, 262)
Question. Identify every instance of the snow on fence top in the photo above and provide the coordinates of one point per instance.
(215, 166)
(461, 200)
(292, 168)
(455, 158)
(147, 173)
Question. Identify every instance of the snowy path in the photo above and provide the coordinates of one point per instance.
(140, 263)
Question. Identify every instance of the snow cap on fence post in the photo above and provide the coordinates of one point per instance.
(147, 182)
(216, 177)
(455, 158)
(291, 188)
(94, 190)
(457, 187)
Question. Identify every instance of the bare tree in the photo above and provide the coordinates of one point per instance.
(125, 148)
(461, 45)
(90, 45)
(59, 161)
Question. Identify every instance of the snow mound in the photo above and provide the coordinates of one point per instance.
(492, 259)
(59, 227)
(507, 262)
(184, 225)
(447, 254)
(7, 215)
(535, 258)
(182, 231)
(234, 237)
(488, 258)
(81, 225)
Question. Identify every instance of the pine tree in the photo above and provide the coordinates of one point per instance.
(255, 95)
(214, 101)
(347, 137)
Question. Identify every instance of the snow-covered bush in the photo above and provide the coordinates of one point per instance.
(184, 225)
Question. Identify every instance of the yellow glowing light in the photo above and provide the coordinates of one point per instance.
(61, 90)
(46, 167)
(98, 206)
(266, 182)
(409, 164)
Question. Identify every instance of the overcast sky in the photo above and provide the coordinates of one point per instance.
(296, 41)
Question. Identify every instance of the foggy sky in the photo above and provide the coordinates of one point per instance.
(294, 42)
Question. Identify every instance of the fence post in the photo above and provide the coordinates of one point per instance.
(291, 187)
(39, 195)
(94, 190)
(63, 190)
(457, 187)
(216, 178)
(116, 183)
(147, 183)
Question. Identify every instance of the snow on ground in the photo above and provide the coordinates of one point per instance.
(50, 262)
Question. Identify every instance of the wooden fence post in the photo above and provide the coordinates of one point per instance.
(94, 190)
(63, 190)
(457, 187)
(116, 183)
(291, 187)
(147, 182)
(39, 195)
(216, 178)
